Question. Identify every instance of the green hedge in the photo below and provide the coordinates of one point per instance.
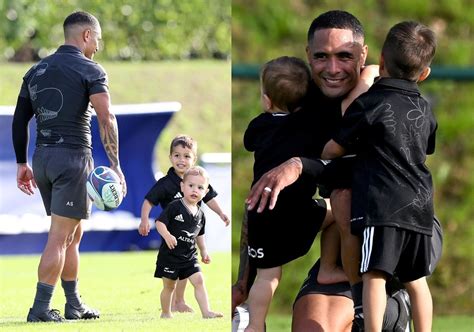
(134, 30)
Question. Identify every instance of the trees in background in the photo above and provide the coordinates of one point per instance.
(131, 30)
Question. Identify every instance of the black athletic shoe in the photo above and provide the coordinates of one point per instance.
(82, 312)
(404, 317)
(51, 315)
(357, 325)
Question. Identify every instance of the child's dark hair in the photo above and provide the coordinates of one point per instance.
(186, 142)
(408, 49)
(285, 80)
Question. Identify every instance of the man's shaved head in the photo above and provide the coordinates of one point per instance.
(77, 21)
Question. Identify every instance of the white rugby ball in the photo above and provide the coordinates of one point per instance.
(104, 188)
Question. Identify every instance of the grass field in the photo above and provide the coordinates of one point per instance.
(121, 286)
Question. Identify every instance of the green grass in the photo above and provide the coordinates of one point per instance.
(121, 286)
(203, 87)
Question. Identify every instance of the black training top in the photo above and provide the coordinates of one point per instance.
(58, 88)
(392, 129)
(185, 228)
(168, 188)
(315, 125)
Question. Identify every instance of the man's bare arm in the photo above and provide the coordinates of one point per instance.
(332, 150)
(108, 132)
(246, 274)
(272, 182)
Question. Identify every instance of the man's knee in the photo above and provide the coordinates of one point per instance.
(77, 236)
(305, 319)
(64, 231)
(318, 312)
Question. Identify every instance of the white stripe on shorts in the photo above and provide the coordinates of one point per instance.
(367, 248)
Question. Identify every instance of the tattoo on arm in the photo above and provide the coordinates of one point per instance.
(244, 258)
(109, 137)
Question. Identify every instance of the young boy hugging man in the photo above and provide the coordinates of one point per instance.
(392, 129)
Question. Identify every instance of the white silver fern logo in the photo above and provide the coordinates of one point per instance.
(189, 234)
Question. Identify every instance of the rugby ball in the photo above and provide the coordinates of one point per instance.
(104, 188)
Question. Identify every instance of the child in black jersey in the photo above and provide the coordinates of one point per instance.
(183, 155)
(182, 225)
(278, 236)
(392, 129)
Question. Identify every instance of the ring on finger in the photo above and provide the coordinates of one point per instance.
(267, 189)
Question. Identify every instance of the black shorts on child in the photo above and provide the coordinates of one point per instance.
(396, 250)
(175, 273)
(278, 236)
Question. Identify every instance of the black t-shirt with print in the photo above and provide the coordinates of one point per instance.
(392, 129)
(58, 88)
(185, 228)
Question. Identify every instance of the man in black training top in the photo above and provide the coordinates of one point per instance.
(57, 91)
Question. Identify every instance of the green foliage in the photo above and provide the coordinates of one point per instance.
(258, 35)
(264, 29)
(121, 286)
(137, 30)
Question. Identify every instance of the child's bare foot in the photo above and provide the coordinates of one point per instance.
(331, 276)
(211, 314)
(181, 307)
(163, 315)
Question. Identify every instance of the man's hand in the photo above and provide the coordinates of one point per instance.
(123, 183)
(272, 182)
(239, 295)
(25, 179)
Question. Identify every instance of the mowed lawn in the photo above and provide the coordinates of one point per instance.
(121, 286)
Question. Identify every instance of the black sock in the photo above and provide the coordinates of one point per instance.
(71, 292)
(356, 291)
(44, 293)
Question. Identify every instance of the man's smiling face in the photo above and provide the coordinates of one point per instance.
(336, 57)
